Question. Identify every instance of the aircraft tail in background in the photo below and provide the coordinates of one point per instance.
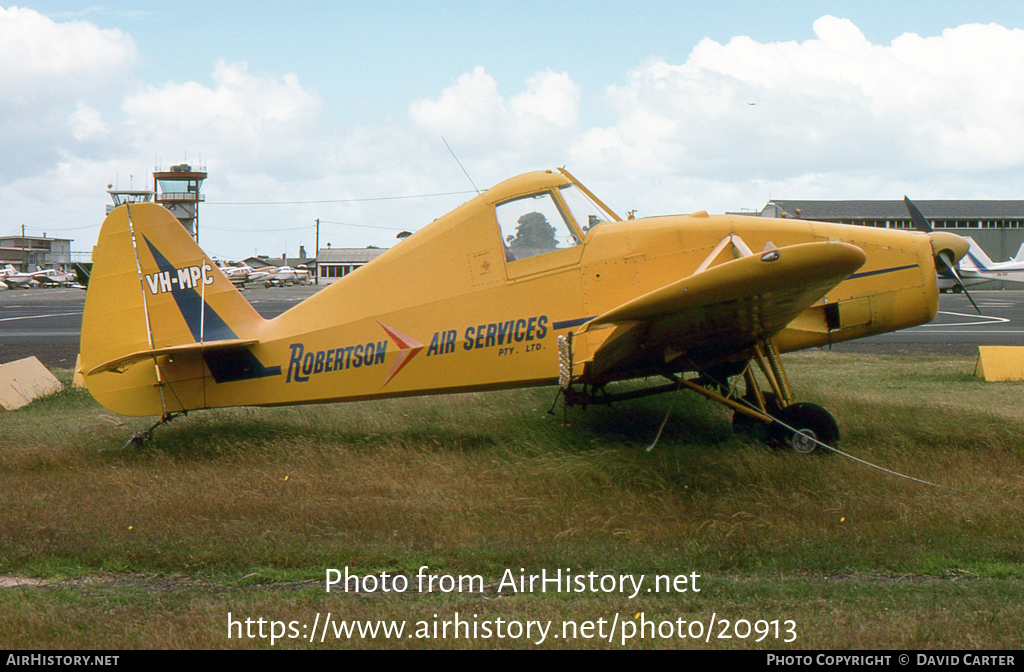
(1019, 257)
(976, 259)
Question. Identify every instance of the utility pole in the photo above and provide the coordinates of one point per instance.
(24, 254)
(316, 264)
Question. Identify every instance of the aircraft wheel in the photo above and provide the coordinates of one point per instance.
(810, 422)
(957, 289)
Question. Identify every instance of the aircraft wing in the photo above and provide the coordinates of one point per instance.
(722, 310)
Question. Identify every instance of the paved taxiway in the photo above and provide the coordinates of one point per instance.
(46, 323)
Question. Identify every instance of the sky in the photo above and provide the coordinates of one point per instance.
(337, 110)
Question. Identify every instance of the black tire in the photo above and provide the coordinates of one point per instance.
(811, 422)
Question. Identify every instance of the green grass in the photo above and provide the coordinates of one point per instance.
(234, 510)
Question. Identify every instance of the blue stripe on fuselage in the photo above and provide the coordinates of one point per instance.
(566, 324)
(881, 271)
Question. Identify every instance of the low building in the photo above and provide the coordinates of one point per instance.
(335, 263)
(27, 252)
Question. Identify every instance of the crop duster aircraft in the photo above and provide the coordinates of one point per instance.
(533, 282)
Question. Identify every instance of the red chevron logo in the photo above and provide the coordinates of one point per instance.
(408, 347)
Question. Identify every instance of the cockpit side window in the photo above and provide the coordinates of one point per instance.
(586, 213)
(534, 225)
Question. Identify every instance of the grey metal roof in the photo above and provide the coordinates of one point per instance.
(348, 255)
(880, 210)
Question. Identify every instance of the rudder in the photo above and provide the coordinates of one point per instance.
(154, 291)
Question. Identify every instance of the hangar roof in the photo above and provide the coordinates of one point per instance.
(349, 254)
(874, 210)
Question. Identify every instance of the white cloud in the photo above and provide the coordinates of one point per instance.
(475, 115)
(50, 73)
(550, 100)
(823, 115)
(86, 123)
(470, 111)
(831, 117)
(43, 59)
(252, 122)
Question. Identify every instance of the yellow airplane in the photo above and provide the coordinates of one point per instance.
(533, 282)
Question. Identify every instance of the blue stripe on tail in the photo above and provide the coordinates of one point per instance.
(191, 305)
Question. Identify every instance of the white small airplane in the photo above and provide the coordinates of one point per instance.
(15, 279)
(263, 275)
(287, 275)
(976, 267)
(239, 274)
(51, 277)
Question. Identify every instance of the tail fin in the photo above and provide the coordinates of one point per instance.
(976, 259)
(1019, 257)
(153, 292)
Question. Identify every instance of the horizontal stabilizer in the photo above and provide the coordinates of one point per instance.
(123, 363)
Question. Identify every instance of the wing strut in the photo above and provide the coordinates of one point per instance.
(739, 248)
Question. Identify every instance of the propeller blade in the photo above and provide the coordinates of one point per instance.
(918, 220)
(952, 269)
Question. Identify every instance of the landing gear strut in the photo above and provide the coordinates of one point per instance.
(773, 416)
(797, 425)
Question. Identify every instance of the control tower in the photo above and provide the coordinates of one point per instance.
(122, 196)
(177, 188)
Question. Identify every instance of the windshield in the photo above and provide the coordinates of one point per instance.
(586, 213)
(533, 225)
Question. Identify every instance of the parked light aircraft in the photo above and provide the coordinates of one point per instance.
(533, 282)
(51, 277)
(238, 275)
(976, 268)
(15, 279)
(286, 275)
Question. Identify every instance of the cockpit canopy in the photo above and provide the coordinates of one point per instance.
(546, 221)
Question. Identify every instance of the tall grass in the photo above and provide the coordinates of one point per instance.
(480, 482)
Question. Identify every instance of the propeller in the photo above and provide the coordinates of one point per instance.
(945, 256)
(916, 218)
(952, 269)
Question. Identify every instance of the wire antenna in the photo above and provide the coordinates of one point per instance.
(460, 164)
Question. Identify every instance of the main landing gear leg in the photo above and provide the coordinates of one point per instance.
(797, 425)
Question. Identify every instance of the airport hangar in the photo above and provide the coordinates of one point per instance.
(997, 226)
